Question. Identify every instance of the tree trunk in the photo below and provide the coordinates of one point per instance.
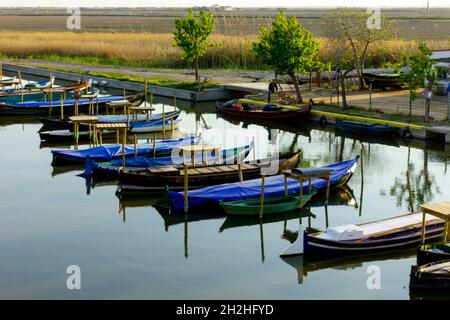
(197, 78)
(297, 88)
(344, 96)
(427, 109)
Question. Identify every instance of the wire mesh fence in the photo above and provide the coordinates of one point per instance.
(396, 102)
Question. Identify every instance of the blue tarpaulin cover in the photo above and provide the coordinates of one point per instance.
(108, 152)
(273, 187)
(67, 102)
(145, 162)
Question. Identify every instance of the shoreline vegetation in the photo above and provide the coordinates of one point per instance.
(150, 50)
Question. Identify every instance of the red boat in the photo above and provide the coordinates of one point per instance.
(245, 110)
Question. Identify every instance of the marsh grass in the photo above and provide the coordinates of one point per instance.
(156, 50)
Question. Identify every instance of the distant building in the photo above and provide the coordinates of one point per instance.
(442, 58)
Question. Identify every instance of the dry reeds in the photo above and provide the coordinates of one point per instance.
(157, 50)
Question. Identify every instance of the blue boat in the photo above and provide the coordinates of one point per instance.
(134, 128)
(110, 118)
(274, 186)
(114, 151)
(43, 107)
(111, 168)
(366, 128)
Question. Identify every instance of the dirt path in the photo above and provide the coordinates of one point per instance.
(216, 75)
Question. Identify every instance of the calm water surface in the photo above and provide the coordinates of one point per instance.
(49, 220)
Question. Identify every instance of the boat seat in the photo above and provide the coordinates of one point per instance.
(161, 169)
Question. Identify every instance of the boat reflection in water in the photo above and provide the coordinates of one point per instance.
(338, 197)
(304, 265)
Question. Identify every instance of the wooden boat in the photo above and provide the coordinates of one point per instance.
(112, 168)
(136, 100)
(383, 235)
(50, 124)
(44, 107)
(16, 96)
(114, 151)
(200, 176)
(431, 276)
(382, 80)
(270, 112)
(271, 205)
(135, 128)
(274, 186)
(269, 124)
(366, 128)
(433, 253)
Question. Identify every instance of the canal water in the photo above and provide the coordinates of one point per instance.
(51, 219)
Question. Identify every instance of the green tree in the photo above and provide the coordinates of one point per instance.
(422, 73)
(352, 29)
(288, 48)
(191, 35)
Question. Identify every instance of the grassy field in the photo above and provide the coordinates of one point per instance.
(142, 37)
(154, 50)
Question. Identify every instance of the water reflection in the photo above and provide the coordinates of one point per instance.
(418, 186)
(379, 189)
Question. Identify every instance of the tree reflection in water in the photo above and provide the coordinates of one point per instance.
(417, 186)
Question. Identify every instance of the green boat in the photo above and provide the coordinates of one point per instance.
(271, 204)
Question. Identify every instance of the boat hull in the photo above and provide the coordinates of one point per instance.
(272, 205)
(428, 280)
(366, 128)
(175, 180)
(291, 116)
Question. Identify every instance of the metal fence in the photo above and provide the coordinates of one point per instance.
(395, 102)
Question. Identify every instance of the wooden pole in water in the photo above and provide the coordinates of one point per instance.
(50, 102)
(186, 196)
(241, 178)
(61, 107)
(362, 179)
(172, 126)
(76, 102)
(254, 149)
(424, 224)
(124, 142)
(261, 200)
(21, 86)
(151, 99)
(145, 92)
(124, 94)
(163, 123)
(174, 101)
(135, 145)
(154, 145)
(261, 234)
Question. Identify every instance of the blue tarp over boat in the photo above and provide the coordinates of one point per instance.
(274, 186)
(67, 102)
(108, 152)
(146, 162)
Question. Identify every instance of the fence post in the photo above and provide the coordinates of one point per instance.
(410, 105)
(448, 107)
(370, 96)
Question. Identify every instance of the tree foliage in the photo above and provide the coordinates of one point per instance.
(191, 35)
(288, 48)
(422, 71)
(350, 30)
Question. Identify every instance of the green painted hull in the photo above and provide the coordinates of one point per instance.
(272, 205)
